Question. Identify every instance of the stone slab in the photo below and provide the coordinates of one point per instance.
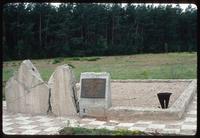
(26, 92)
(62, 89)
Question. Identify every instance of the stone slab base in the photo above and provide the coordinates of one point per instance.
(175, 112)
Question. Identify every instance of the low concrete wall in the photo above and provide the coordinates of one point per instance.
(175, 112)
(153, 80)
(133, 114)
(182, 102)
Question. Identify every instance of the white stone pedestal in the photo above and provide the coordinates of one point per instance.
(95, 95)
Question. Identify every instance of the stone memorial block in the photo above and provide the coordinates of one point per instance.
(63, 97)
(26, 92)
(95, 95)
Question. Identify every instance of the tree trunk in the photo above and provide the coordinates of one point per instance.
(46, 34)
(136, 33)
(4, 39)
(4, 32)
(112, 34)
(40, 31)
(17, 36)
(106, 32)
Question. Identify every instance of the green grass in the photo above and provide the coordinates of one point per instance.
(103, 131)
(84, 58)
(141, 66)
(57, 60)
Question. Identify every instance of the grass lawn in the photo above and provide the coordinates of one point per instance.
(141, 66)
(103, 131)
(85, 131)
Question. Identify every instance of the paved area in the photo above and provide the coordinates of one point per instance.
(23, 124)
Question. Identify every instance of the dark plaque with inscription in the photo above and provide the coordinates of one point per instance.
(93, 88)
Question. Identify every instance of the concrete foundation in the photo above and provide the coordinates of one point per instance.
(175, 112)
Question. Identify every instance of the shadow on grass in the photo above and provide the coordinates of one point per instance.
(85, 58)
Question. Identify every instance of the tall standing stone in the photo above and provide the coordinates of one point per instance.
(26, 92)
(62, 84)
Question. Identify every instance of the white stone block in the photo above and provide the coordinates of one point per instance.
(172, 131)
(28, 127)
(157, 126)
(24, 122)
(99, 101)
(5, 129)
(5, 124)
(106, 127)
(125, 124)
(137, 128)
(31, 132)
(50, 129)
(190, 119)
(97, 122)
(189, 127)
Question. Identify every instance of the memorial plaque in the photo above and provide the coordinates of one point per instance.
(93, 88)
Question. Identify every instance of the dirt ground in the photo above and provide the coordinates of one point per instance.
(141, 94)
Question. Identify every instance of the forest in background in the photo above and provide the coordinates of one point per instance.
(40, 30)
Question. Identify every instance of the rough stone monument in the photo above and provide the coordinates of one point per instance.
(63, 96)
(95, 95)
(26, 92)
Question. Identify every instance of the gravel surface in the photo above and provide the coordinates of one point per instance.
(144, 94)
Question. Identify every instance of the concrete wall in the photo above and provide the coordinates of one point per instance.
(175, 112)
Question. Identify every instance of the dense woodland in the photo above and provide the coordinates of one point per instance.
(40, 30)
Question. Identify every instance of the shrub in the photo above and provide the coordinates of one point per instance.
(103, 131)
(93, 59)
(145, 74)
(14, 64)
(57, 60)
(76, 58)
(71, 65)
(86, 58)
(127, 132)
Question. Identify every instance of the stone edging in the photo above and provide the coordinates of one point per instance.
(172, 113)
(153, 80)
(182, 102)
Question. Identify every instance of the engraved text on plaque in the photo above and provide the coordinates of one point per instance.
(93, 88)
